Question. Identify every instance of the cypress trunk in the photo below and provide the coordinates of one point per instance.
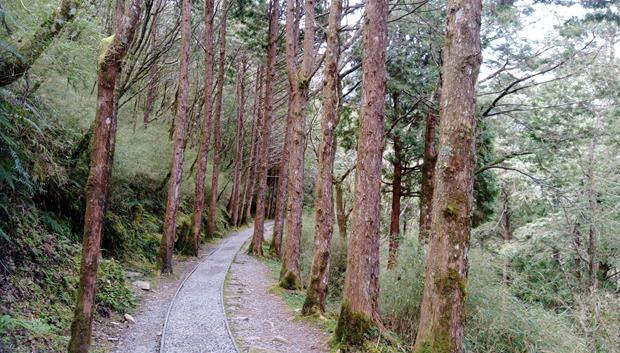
(442, 310)
(205, 134)
(176, 170)
(359, 313)
(427, 184)
(299, 81)
(217, 126)
(234, 205)
(324, 206)
(265, 140)
(99, 177)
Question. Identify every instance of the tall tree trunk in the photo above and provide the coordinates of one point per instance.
(151, 90)
(442, 312)
(17, 63)
(99, 177)
(234, 207)
(205, 135)
(176, 170)
(506, 231)
(217, 127)
(341, 215)
(257, 126)
(359, 314)
(591, 190)
(248, 170)
(263, 150)
(299, 81)
(427, 184)
(396, 195)
(324, 206)
(278, 223)
(293, 16)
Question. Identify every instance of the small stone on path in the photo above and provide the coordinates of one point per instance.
(144, 285)
(130, 318)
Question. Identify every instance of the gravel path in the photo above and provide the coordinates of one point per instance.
(196, 322)
(144, 335)
(261, 321)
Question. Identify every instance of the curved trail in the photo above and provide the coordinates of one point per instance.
(196, 321)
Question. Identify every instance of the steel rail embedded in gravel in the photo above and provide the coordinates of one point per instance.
(163, 332)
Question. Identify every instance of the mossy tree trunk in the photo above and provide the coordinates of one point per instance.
(299, 82)
(99, 177)
(359, 313)
(217, 127)
(205, 134)
(176, 170)
(445, 287)
(265, 137)
(15, 64)
(324, 206)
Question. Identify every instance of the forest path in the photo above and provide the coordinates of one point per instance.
(260, 320)
(195, 321)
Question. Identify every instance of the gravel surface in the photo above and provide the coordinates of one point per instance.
(197, 322)
(144, 335)
(261, 321)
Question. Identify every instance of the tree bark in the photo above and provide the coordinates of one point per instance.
(427, 184)
(234, 205)
(324, 206)
(278, 223)
(217, 127)
(445, 286)
(341, 215)
(205, 136)
(176, 170)
(359, 313)
(263, 150)
(506, 231)
(299, 82)
(18, 63)
(293, 15)
(395, 212)
(251, 182)
(99, 177)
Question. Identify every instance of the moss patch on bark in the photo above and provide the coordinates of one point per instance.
(353, 330)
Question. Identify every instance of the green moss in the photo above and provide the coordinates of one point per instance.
(353, 329)
(289, 280)
(439, 342)
(104, 46)
(448, 283)
(312, 305)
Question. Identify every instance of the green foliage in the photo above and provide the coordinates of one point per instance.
(112, 290)
(497, 321)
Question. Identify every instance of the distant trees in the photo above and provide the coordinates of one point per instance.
(445, 286)
(109, 66)
(359, 313)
